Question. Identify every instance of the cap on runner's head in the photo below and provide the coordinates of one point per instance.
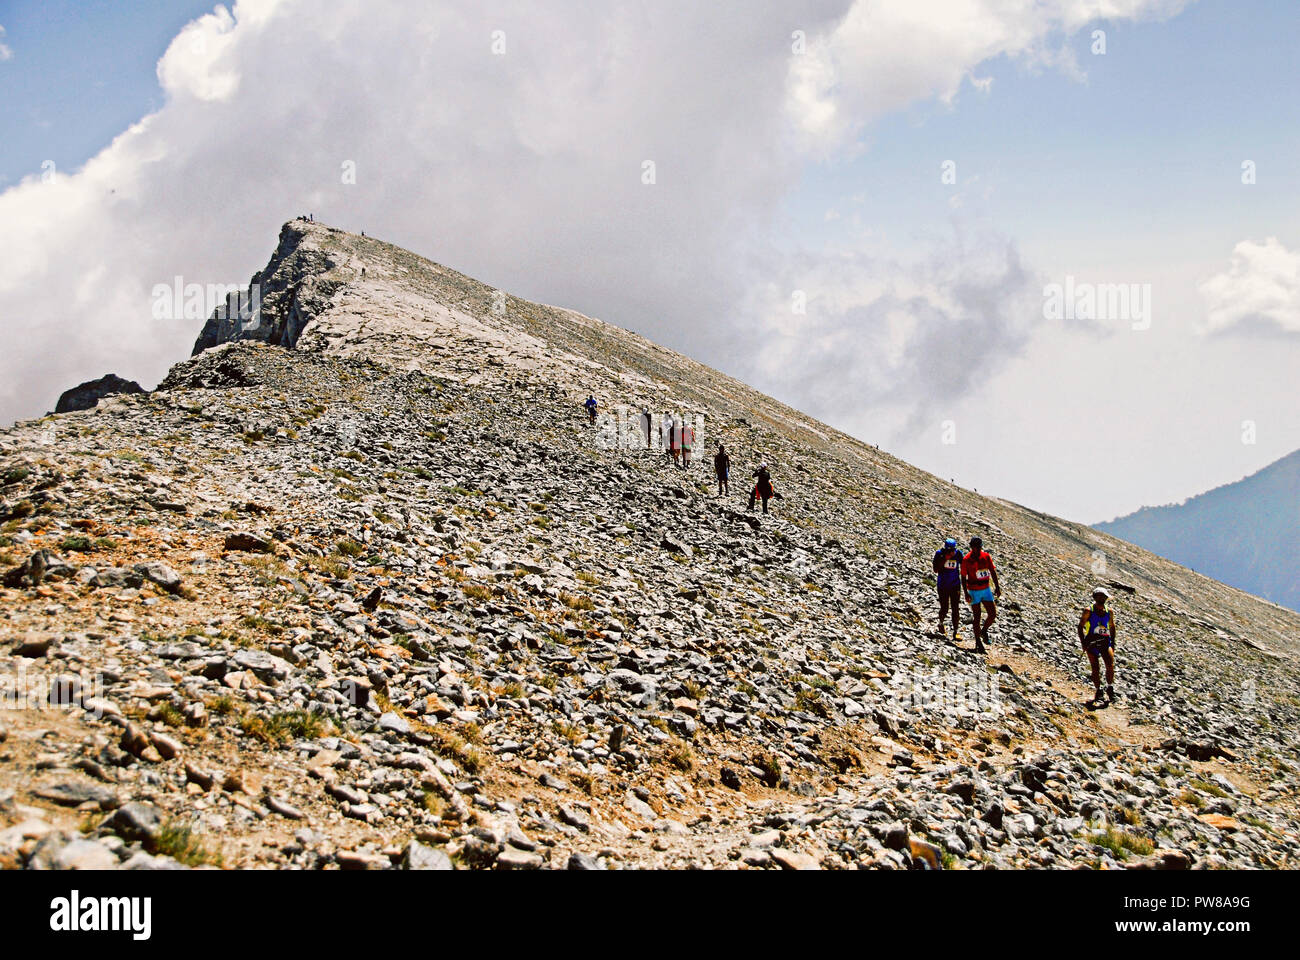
(1101, 592)
(976, 542)
(950, 543)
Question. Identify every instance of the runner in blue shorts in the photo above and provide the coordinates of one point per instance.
(977, 572)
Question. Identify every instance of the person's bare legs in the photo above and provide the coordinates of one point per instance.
(1094, 659)
(949, 598)
(975, 617)
(991, 609)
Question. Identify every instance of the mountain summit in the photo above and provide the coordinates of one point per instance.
(360, 585)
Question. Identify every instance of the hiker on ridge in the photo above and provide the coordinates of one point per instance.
(722, 468)
(947, 571)
(762, 487)
(1099, 642)
(977, 572)
(688, 444)
(590, 404)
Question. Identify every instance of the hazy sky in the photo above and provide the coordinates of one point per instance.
(859, 206)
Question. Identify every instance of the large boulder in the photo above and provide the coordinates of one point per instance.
(86, 395)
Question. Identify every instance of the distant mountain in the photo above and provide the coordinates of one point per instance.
(1241, 533)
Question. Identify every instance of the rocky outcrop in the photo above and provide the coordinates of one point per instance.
(86, 395)
(295, 285)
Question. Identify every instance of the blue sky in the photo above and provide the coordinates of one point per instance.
(1128, 174)
(82, 71)
(1158, 131)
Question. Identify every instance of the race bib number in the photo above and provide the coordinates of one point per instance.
(951, 565)
(981, 574)
(1102, 632)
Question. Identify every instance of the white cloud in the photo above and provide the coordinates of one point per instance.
(6, 53)
(900, 339)
(522, 169)
(1259, 292)
(199, 61)
(883, 55)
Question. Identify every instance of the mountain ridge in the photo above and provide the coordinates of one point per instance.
(363, 588)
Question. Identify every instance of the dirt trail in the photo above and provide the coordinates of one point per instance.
(1109, 726)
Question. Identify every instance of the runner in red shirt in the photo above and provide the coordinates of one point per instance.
(977, 572)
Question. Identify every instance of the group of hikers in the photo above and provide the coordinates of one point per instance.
(974, 575)
(969, 574)
(676, 438)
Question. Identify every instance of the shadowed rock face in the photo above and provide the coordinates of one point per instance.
(295, 285)
(86, 395)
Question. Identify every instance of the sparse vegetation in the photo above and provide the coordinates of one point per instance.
(280, 728)
(178, 841)
(680, 755)
(476, 591)
(577, 602)
(348, 547)
(1122, 843)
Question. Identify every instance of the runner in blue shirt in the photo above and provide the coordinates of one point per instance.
(947, 571)
(1099, 641)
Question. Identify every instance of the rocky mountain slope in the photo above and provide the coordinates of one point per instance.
(1238, 533)
(358, 586)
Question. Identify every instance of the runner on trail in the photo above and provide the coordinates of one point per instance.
(1099, 641)
(977, 572)
(688, 443)
(722, 468)
(645, 425)
(591, 407)
(947, 571)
